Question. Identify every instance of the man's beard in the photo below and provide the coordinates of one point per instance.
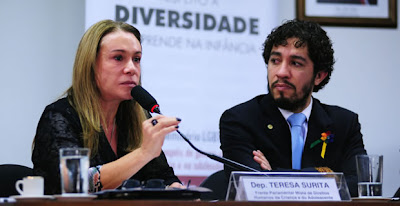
(294, 102)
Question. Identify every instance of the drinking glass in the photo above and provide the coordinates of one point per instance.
(74, 166)
(370, 175)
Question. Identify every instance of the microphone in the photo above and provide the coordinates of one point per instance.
(148, 102)
(145, 100)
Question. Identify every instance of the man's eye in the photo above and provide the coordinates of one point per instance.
(274, 61)
(118, 58)
(297, 64)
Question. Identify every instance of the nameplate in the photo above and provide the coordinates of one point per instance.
(289, 189)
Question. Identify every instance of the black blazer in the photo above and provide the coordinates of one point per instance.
(258, 124)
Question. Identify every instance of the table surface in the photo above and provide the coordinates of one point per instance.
(194, 203)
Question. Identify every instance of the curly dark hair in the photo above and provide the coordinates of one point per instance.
(309, 33)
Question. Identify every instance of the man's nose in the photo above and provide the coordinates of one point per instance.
(283, 71)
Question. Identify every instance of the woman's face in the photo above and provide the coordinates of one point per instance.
(118, 65)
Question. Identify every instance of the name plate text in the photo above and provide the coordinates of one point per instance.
(289, 189)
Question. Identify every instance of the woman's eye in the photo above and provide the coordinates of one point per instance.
(118, 58)
(136, 59)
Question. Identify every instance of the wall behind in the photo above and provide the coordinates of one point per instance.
(39, 39)
(38, 43)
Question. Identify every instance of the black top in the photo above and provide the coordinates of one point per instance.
(59, 127)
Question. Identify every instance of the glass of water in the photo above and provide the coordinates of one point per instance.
(74, 166)
(370, 175)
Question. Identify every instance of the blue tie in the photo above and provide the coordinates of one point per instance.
(296, 121)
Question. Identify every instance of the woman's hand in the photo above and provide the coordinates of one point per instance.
(154, 131)
(261, 159)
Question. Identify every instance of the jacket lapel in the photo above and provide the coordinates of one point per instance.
(319, 122)
(277, 131)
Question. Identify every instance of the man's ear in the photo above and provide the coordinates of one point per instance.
(320, 77)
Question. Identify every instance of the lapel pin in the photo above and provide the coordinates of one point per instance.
(269, 126)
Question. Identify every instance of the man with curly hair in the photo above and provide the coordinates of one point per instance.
(257, 133)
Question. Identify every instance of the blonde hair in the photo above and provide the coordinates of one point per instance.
(84, 94)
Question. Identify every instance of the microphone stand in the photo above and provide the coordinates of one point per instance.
(150, 104)
(225, 161)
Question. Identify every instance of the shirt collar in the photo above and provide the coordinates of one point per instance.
(307, 111)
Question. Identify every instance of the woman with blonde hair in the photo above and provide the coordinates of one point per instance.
(99, 113)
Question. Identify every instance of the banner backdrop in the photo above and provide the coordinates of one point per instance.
(200, 57)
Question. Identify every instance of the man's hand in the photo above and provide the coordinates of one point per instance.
(261, 159)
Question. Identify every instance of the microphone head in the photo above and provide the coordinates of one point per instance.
(145, 99)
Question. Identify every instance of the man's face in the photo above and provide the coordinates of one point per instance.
(291, 77)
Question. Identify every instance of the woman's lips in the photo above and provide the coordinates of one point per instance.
(129, 83)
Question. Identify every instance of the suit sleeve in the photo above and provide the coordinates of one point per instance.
(354, 146)
(237, 143)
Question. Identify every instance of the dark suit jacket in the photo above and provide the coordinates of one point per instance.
(258, 124)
